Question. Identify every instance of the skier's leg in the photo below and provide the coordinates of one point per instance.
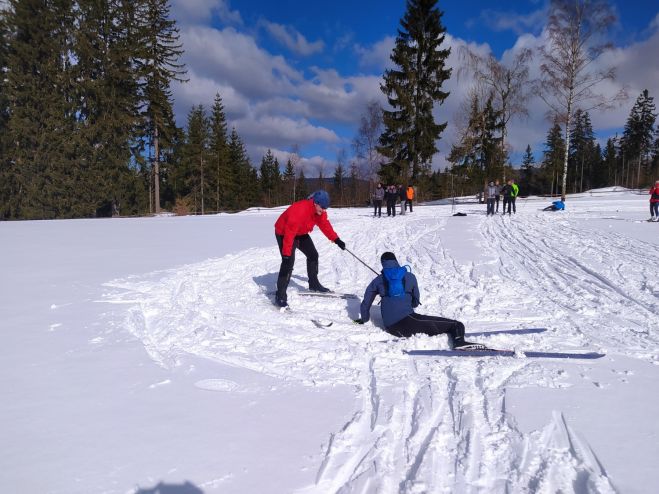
(285, 270)
(308, 248)
(430, 325)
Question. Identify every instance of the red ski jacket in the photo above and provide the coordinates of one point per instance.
(299, 219)
(654, 194)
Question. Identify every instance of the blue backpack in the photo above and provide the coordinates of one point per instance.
(394, 281)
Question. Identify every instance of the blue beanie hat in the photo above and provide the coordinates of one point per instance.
(321, 198)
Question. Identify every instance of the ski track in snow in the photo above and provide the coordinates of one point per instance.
(421, 425)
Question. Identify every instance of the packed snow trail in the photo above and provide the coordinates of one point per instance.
(421, 425)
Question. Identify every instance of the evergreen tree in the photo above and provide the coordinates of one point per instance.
(191, 175)
(528, 178)
(41, 104)
(221, 177)
(552, 162)
(339, 178)
(637, 138)
(582, 160)
(7, 187)
(289, 182)
(158, 66)
(607, 173)
(244, 192)
(270, 178)
(107, 99)
(302, 186)
(412, 89)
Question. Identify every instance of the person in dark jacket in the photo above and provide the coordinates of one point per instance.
(292, 232)
(398, 311)
(507, 193)
(390, 197)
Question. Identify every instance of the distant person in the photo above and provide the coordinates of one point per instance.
(506, 192)
(390, 197)
(409, 197)
(514, 194)
(490, 198)
(497, 184)
(378, 197)
(399, 293)
(292, 232)
(654, 202)
(401, 195)
(556, 206)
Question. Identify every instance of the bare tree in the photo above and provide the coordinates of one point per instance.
(509, 84)
(294, 158)
(366, 141)
(569, 75)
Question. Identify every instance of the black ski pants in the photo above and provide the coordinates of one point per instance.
(507, 202)
(377, 204)
(391, 208)
(430, 325)
(305, 244)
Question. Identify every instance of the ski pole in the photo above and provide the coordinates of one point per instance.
(369, 267)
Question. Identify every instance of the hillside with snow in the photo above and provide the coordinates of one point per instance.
(140, 355)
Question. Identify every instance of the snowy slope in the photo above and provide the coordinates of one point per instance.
(254, 400)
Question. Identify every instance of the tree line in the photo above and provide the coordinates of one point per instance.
(87, 126)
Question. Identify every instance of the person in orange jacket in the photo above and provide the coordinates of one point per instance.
(654, 202)
(292, 230)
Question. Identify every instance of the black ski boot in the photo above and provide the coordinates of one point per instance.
(461, 344)
(312, 272)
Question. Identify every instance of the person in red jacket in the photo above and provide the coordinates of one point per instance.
(654, 202)
(292, 231)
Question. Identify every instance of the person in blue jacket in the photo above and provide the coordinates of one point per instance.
(398, 309)
(556, 206)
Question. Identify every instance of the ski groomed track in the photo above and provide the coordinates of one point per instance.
(422, 424)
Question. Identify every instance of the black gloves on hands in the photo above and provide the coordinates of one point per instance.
(287, 261)
(340, 243)
(358, 321)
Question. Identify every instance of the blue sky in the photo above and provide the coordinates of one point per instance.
(300, 73)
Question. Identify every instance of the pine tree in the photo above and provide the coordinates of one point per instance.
(339, 178)
(41, 104)
(302, 187)
(244, 192)
(409, 140)
(106, 92)
(552, 161)
(581, 155)
(289, 182)
(270, 178)
(528, 179)
(7, 186)
(158, 66)
(191, 177)
(608, 171)
(637, 137)
(220, 172)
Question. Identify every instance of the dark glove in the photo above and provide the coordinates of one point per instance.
(358, 321)
(340, 243)
(287, 261)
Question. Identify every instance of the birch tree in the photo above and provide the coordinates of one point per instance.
(569, 70)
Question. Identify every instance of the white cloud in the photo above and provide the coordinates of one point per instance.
(200, 11)
(292, 39)
(520, 24)
(376, 56)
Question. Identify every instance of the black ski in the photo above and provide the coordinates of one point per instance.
(504, 353)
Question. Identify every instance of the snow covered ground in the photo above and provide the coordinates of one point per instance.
(145, 354)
